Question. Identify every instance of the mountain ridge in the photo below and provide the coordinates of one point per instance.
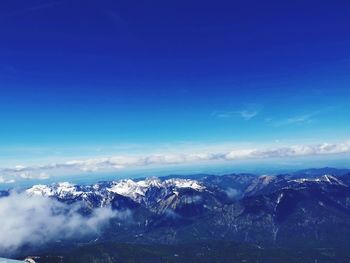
(284, 210)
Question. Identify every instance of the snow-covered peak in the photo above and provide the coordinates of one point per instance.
(327, 178)
(136, 190)
(184, 183)
(59, 190)
(40, 190)
(129, 188)
(66, 188)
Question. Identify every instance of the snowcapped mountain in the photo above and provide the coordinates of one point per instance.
(267, 209)
(155, 190)
(58, 190)
(139, 190)
(146, 191)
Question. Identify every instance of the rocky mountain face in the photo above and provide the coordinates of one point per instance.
(269, 210)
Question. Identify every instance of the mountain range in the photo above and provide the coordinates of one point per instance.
(301, 210)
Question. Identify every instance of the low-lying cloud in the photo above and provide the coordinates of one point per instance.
(232, 193)
(37, 220)
(120, 162)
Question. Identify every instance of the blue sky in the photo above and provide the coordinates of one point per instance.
(104, 78)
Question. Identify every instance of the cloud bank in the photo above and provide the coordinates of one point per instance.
(120, 162)
(38, 220)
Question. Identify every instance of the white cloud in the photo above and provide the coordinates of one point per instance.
(29, 175)
(232, 193)
(120, 162)
(3, 180)
(34, 220)
(244, 114)
(300, 119)
(306, 118)
(248, 115)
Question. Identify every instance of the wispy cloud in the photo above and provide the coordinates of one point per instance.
(248, 115)
(120, 162)
(300, 119)
(245, 114)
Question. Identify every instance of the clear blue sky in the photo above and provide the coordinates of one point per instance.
(77, 74)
